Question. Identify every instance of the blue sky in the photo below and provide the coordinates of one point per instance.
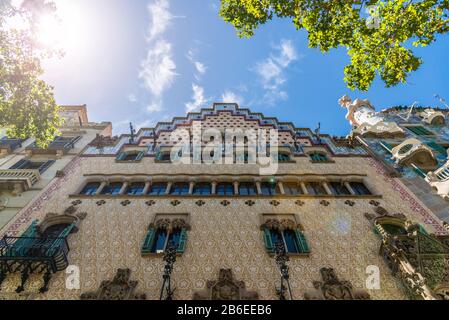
(150, 60)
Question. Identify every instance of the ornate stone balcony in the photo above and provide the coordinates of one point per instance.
(412, 151)
(18, 180)
(439, 180)
(431, 116)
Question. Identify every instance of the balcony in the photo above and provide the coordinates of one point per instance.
(29, 255)
(9, 145)
(18, 180)
(60, 146)
(439, 180)
(414, 152)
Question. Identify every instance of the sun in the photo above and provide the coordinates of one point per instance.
(62, 30)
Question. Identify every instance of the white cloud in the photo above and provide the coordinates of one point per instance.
(160, 18)
(132, 98)
(230, 96)
(198, 99)
(199, 66)
(155, 106)
(271, 70)
(158, 69)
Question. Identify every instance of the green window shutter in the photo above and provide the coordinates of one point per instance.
(182, 241)
(268, 242)
(57, 243)
(302, 242)
(148, 241)
(386, 145)
(46, 165)
(140, 156)
(20, 246)
(121, 156)
(422, 230)
(435, 146)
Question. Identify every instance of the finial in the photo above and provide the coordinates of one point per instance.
(132, 133)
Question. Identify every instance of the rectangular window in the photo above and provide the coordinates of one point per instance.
(112, 188)
(360, 188)
(42, 166)
(420, 131)
(268, 189)
(202, 189)
(179, 189)
(292, 189)
(157, 240)
(136, 188)
(90, 188)
(225, 189)
(315, 188)
(130, 156)
(247, 189)
(157, 189)
(338, 188)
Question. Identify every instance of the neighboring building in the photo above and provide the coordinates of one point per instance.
(328, 207)
(412, 142)
(26, 170)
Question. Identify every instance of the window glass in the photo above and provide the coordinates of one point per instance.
(159, 241)
(360, 188)
(112, 189)
(315, 188)
(90, 188)
(292, 189)
(136, 188)
(225, 189)
(268, 189)
(202, 188)
(158, 188)
(290, 241)
(247, 189)
(180, 188)
(338, 188)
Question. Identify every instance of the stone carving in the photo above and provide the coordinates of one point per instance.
(225, 288)
(101, 142)
(366, 121)
(283, 224)
(433, 117)
(120, 288)
(331, 288)
(69, 216)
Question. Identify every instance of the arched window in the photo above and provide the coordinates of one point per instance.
(318, 157)
(338, 188)
(158, 189)
(179, 189)
(90, 188)
(136, 188)
(202, 188)
(292, 189)
(247, 189)
(360, 188)
(268, 189)
(112, 188)
(225, 189)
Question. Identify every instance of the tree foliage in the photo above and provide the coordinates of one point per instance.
(378, 35)
(27, 105)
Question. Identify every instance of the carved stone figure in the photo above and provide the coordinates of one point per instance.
(120, 288)
(226, 288)
(331, 288)
(366, 121)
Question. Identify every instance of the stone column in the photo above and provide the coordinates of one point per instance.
(258, 187)
(303, 187)
(214, 187)
(147, 187)
(236, 188)
(281, 187)
(326, 187)
(101, 187)
(124, 186)
(348, 186)
(191, 186)
(169, 184)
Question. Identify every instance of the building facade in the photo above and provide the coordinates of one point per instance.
(26, 170)
(412, 142)
(229, 220)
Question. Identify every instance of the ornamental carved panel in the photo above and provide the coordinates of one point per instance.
(226, 288)
(120, 288)
(332, 288)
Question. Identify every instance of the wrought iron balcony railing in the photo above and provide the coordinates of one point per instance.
(49, 251)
